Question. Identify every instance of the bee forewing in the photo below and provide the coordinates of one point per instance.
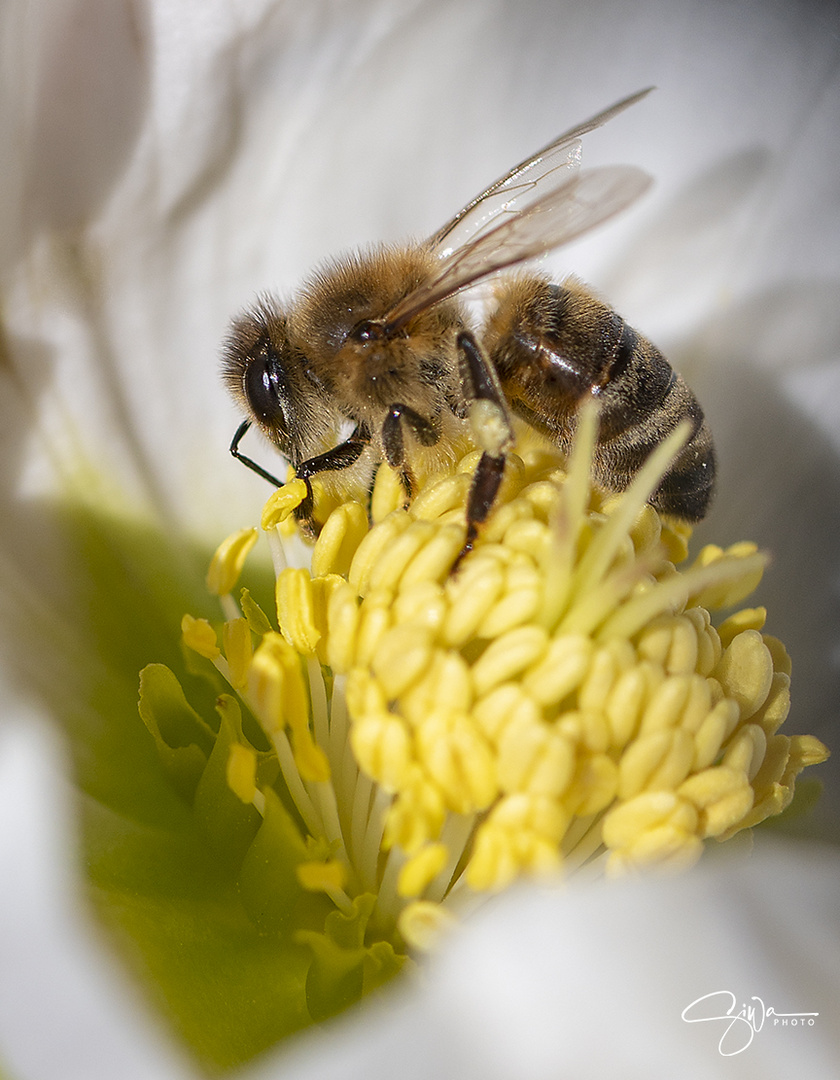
(586, 199)
(524, 183)
(508, 196)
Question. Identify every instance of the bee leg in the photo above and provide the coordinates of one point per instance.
(340, 457)
(485, 487)
(252, 465)
(393, 443)
(491, 427)
(484, 398)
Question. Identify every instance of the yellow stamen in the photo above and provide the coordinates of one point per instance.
(563, 697)
(282, 504)
(226, 565)
(329, 876)
(199, 636)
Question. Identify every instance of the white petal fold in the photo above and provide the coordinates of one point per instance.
(593, 983)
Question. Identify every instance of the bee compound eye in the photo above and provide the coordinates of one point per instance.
(265, 389)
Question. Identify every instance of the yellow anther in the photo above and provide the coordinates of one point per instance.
(534, 758)
(626, 822)
(508, 656)
(647, 530)
(236, 638)
(538, 857)
(709, 648)
(667, 847)
(343, 621)
(594, 785)
(529, 536)
(807, 750)
(508, 843)
(675, 538)
(375, 617)
(364, 695)
(339, 539)
(296, 609)
(329, 876)
(698, 704)
(625, 704)
(458, 758)
(537, 814)
(659, 760)
(543, 495)
(242, 772)
(252, 611)
(402, 656)
(392, 561)
(421, 605)
(745, 671)
(746, 750)
(506, 704)
(388, 494)
(446, 685)
(382, 746)
(228, 560)
(471, 595)
(199, 636)
(606, 665)
(746, 619)
(417, 814)
(656, 828)
(666, 705)
(721, 796)
(779, 654)
(323, 589)
(587, 730)
(378, 541)
(423, 924)
(672, 642)
(433, 561)
(560, 670)
(310, 759)
(435, 501)
(276, 685)
(504, 519)
(493, 864)
(518, 604)
(282, 503)
(715, 728)
(421, 870)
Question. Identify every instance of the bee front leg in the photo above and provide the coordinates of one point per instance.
(340, 457)
(393, 442)
(491, 428)
(249, 462)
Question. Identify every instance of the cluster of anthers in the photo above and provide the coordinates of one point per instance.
(562, 700)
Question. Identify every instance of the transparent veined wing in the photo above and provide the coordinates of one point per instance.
(585, 199)
(526, 182)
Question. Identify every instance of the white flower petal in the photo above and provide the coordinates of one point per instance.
(592, 982)
(66, 1011)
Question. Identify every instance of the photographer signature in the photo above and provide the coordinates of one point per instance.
(742, 1026)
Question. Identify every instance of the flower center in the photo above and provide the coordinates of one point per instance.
(562, 700)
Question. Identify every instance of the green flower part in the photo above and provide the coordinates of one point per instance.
(409, 739)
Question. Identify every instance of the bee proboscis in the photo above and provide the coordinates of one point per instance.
(375, 360)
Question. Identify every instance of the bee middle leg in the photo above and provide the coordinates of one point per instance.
(393, 442)
(488, 416)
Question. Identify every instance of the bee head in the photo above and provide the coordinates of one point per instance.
(267, 377)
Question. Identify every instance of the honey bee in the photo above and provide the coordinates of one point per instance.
(376, 359)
